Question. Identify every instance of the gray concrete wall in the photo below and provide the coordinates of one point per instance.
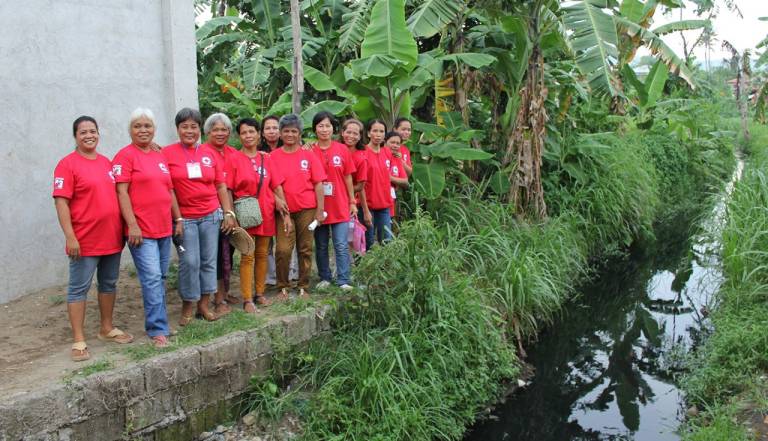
(62, 59)
(174, 396)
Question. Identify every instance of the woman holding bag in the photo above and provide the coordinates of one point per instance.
(256, 186)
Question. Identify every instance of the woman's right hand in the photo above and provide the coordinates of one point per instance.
(178, 229)
(134, 236)
(368, 218)
(73, 248)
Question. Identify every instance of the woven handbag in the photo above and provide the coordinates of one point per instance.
(247, 209)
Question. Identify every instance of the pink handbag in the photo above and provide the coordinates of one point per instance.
(358, 238)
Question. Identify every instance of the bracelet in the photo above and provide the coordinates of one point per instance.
(230, 213)
(179, 219)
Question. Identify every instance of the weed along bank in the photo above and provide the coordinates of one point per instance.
(384, 220)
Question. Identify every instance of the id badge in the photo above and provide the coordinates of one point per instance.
(194, 171)
(392, 192)
(328, 188)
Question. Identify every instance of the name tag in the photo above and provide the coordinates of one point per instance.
(392, 192)
(328, 188)
(194, 171)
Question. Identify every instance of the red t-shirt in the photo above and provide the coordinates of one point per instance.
(245, 180)
(406, 155)
(195, 172)
(378, 188)
(149, 189)
(302, 171)
(90, 187)
(397, 170)
(337, 163)
(360, 158)
(228, 157)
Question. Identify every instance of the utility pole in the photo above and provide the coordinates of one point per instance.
(298, 66)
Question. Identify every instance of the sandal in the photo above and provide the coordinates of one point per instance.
(249, 307)
(80, 351)
(283, 295)
(263, 301)
(208, 316)
(222, 308)
(116, 336)
(232, 300)
(303, 294)
(185, 320)
(160, 341)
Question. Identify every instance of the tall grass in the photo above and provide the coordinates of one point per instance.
(431, 339)
(726, 372)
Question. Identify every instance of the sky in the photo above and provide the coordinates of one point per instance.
(742, 32)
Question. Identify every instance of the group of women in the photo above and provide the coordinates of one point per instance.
(308, 195)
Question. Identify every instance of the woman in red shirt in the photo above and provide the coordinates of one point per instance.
(89, 215)
(256, 176)
(403, 127)
(379, 192)
(197, 175)
(352, 135)
(217, 129)
(339, 202)
(147, 202)
(304, 176)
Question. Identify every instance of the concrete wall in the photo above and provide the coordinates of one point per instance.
(62, 59)
(174, 396)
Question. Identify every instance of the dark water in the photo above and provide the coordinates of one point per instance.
(606, 370)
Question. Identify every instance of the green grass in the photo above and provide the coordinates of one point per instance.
(729, 367)
(196, 333)
(92, 368)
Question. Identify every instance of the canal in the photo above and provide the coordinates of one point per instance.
(607, 369)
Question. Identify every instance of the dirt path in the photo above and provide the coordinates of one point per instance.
(36, 338)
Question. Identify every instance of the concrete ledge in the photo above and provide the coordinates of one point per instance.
(173, 396)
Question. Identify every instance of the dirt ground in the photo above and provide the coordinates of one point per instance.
(36, 338)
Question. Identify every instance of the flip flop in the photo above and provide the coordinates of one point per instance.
(283, 295)
(185, 320)
(80, 351)
(116, 336)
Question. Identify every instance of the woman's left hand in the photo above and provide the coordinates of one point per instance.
(228, 224)
(281, 206)
(353, 210)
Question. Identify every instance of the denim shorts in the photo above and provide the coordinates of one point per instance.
(107, 269)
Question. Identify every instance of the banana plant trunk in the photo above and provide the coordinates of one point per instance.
(297, 80)
(526, 143)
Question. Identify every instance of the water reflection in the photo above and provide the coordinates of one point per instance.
(606, 370)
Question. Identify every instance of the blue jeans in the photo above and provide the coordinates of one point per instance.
(339, 232)
(382, 226)
(81, 275)
(151, 259)
(197, 264)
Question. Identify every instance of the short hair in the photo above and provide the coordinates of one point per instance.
(373, 121)
(249, 122)
(141, 112)
(360, 145)
(290, 120)
(392, 134)
(320, 116)
(186, 114)
(401, 120)
(82, 119)
(213, 119)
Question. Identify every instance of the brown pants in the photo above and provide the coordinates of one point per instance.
(303, 240)
(247, 263)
